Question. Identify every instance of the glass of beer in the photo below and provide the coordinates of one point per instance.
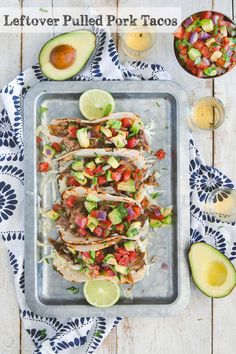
(208, 113)
(221, 203)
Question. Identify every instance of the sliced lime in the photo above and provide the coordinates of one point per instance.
(95, 104)
(101, 293)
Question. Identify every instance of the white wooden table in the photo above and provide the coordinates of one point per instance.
(207, 326)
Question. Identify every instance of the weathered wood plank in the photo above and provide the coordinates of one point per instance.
(224, 311)
(9, 312)
(191, 331)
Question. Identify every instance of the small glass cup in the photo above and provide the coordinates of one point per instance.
(221, 203)
(208, 113)
(137, 42)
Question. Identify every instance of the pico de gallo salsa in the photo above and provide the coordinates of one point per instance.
(205, 44)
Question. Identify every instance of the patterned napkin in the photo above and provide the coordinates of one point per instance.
(57, 335)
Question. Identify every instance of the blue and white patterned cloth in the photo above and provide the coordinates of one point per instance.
(57, 335)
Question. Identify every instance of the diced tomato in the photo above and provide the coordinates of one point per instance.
(222, 23)
(43, 167)
(109, 272)
(137, 211)
(116, 176)
(99, 256)
(82, 232)
(126, 122)
(102, 180)
(86, 254)
(198, 45)
(72, 131)
(122, 250)
(160, 154)
(198, 29)
(89, 171)
(96, 128)
(203, 65)
(120, 169)
(206, 52)
(56, 146)
(124, 260)
(120, 227)
(38, 139)
(126, 175)
(132, 255)
(226, 40)
(132, 142)
(117, 256)
(94, 270)
(98, 231)
(182, 46)
(106, 224)
(191, 67)
(220, 62)
(199, 73)
(94, 213)
(205, 14)
(57, 207)
(186, 35)
(105, 232)
(179, 33)
(98, 170)
(70, 201)
(183, 51)
(71, 181)
(157, 217)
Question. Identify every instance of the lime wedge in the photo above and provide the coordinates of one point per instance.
(95, 104)
(101, 293)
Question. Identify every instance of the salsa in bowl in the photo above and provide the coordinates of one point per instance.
(205, 44)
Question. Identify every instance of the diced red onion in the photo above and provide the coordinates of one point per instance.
(164, 266)
(188, 22)
(90, 134)
(101, 215)
(48, 152)
(81, 221)
(215, 19)
(203, 36)
(193, 37)
(130, 211)
(157, 212)
(229, 52)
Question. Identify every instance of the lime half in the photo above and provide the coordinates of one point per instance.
(101, 293)
(95, 104)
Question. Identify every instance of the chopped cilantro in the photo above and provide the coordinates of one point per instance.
(122, 210)
(155, 195)
(73, 290)
(42, 110)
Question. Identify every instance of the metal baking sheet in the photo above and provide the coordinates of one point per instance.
(165, 290)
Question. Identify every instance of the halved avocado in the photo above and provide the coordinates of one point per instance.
(65, 55)
(212, 272)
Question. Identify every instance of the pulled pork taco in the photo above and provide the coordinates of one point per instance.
(118, 130)
(123, 262)
(120, 172)
(85, 216)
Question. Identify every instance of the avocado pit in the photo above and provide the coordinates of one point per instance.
(62, 56)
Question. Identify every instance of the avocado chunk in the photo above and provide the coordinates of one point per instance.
(92, 223)
(207, 25)
(51, 214)
(48, 151)
(64, 56)
(127, 186)
(210, 71)
(155, 223)
(115, 217)
(82, 136)
(106, 131)
(119, 140)
(90, 206)
(115, 124)
(99, 159)
(121, 269)
(78, 165)
(79, 176)
(135, 128)
(194, 54)
(212, 272)
(112, 161)
(134, 228)
(129, 245)
(110, 259)
(91, 165)
(92, 198)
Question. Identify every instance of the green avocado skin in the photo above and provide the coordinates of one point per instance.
(219, 254)
(82, 39)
